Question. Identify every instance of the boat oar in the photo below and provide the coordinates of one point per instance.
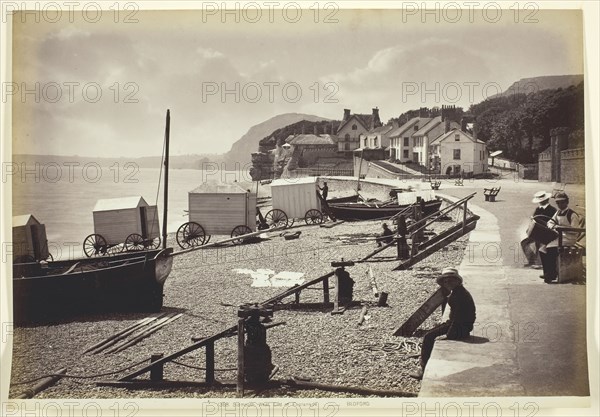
(123, 334)
(160, 319)
(114, 336)
(146, 333)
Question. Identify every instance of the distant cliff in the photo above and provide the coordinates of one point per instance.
(242, 149)
(535, 84)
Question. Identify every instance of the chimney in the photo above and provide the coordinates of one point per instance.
(346, 114)
(447, 125)
(423, 112)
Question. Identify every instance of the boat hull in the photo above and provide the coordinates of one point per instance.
(127, 282)
(367, 211)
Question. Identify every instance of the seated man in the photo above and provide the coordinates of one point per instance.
(563, 217)
(462, 316)
(543, 212)
(386, 237)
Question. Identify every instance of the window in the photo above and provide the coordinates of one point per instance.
(347, 137)
(347, 147)
(406, 141)
(414, 141)
(354, 127)
(365, 142)
(457, 154)
(375, 142)
(457, 137)
(405, 153)
(416, 127)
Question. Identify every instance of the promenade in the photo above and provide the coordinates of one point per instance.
(530, 337)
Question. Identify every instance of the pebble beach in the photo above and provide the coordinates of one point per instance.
(208, 285)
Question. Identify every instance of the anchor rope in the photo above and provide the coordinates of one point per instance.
(29, 381)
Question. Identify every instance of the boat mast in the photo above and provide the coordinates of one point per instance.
(166, 202)
(359, 170)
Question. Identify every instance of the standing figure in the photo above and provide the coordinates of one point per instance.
(563, 217)
(324, 190)
(462, 316)
(543, 212)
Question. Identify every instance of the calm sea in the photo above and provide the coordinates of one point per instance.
(63, 198)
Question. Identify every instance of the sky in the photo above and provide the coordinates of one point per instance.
(99, 84)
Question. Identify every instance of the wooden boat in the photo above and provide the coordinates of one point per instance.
(376, 210)
(132, 281)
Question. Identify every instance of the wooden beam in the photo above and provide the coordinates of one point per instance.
(43, 384)
(191, 348)
(210, 363)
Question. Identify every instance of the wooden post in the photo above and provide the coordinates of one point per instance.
(240, 358)
(156, 373)
(326, 290)
(297, 297)
(166, 200)
(210, 363)
(464, 216)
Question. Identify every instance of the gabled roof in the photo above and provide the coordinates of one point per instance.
(218, 188)
(324, 139)
(366, 120)
(451, 132)
(433, 123)
(381, 130)
(408, 125)
(23, 219)
(120, 203)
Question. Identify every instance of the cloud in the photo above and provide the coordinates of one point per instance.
(431, 64)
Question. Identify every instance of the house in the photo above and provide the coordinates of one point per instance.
(402, 141)
(458, 153)
(307, 149)
(353, 126)
(376, 138)
(430, 131)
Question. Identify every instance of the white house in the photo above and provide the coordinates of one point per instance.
(402, 141)
(353, 126)
(457, 152)
(426, 135)
(376, 138)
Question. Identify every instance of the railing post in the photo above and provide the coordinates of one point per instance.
(156, 373)
(240, 358)
(326, 290)
(210, 363)
(464, 217)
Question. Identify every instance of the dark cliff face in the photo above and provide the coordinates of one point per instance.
(243, 148)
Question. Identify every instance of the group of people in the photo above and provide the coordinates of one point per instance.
(551, 217)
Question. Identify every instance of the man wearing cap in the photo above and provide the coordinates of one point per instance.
(563, 217)
(543, 212)
(462, 316)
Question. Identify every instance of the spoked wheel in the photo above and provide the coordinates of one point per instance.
(239, 231)
(152, 243)
(134, 243)
(313, 216)
(276, 218)
(94, 245)
(190, 234)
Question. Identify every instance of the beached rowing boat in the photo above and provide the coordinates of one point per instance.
(372, 210)
(131, 281)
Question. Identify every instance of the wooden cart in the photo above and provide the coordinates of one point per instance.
(123, 224)
(295, 198)
(217, 209)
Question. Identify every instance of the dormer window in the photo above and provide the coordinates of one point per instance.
(354, 127)
(416, 127)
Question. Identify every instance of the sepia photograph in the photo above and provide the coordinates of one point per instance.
(299, 208)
